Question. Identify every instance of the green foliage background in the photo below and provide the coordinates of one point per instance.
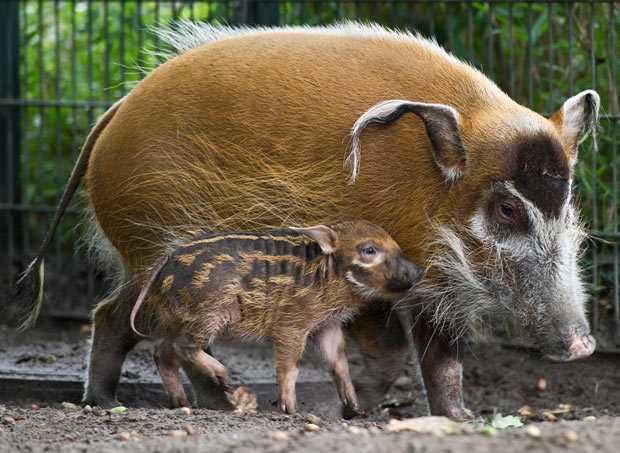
(540, 53)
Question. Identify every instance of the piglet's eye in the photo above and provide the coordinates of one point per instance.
(369, 251)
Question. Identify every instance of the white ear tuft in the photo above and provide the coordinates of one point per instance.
(442, 127)
(577, 118)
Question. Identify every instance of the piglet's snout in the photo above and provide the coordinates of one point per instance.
(406, 273)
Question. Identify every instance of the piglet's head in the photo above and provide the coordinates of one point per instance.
(367, 257)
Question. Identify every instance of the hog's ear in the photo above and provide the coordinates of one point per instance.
(442, 127)
(576, 119)
(325, 236)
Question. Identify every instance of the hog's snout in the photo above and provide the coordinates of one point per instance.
(579, 345)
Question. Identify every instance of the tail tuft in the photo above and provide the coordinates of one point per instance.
(27, 297)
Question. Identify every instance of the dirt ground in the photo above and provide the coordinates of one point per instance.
(582, 397)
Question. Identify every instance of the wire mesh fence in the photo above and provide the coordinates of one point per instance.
(63, 62)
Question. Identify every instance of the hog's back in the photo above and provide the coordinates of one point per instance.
(251, 132)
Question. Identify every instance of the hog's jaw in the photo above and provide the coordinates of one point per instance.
(534, 278)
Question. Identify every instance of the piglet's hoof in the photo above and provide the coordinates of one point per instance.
(287, 406)
(243, 400)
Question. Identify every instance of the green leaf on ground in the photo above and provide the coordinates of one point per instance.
(500, 421)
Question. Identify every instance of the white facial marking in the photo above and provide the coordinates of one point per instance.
(360, 288)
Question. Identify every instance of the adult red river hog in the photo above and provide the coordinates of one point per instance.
(249, 128)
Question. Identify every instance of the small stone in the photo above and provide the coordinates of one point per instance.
(177, 433)
(189, 429)
(428, 425)
(8, 420)
(185, 411)
(124, 436)
(525, 411)
(35, 407)
(403, 382)
(541, 384)
(311, 418)
(97, 412)
(374, 430)
(280, 436)
(589, 418)
(533, 431)
(311, 428)
(356, 430)
(87, 409)
(549, 416)
(571, 436)
(70, 406)
(488, 430)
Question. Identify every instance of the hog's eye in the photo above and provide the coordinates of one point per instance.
(506, 211)
(369, 251)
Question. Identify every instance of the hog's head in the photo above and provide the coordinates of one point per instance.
(507, 234)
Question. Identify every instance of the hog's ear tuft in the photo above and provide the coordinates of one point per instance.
(442, 124)
(576, 119)
(323, 235)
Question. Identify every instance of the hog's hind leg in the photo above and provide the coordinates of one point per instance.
(112, 340)
(330, 341)
(168, 365)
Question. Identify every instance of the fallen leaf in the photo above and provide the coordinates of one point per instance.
(118, 410)
(508, 421)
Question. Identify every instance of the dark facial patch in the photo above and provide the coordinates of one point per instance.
(541, 173)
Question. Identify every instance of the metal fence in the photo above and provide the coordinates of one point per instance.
(62, 62)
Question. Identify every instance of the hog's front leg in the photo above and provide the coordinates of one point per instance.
(330, 341)
(384, 348)
(288, 351)
(442, 372)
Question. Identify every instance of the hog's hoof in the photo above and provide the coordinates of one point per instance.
(349, 412)
(102, 401)
(460, 414)
(178, 402)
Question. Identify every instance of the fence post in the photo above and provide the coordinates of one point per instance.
(9, 126)
(260, 12)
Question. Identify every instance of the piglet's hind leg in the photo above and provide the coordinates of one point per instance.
(330, 341)
(168, 365)
(210, 367)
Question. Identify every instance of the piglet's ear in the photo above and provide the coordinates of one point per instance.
(576, 119)
(325, 236)
(442, 127)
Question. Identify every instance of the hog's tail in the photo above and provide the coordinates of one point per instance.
(159, 264)
(33, 276)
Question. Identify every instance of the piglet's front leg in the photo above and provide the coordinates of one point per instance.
(288, 351)
(330, 341)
